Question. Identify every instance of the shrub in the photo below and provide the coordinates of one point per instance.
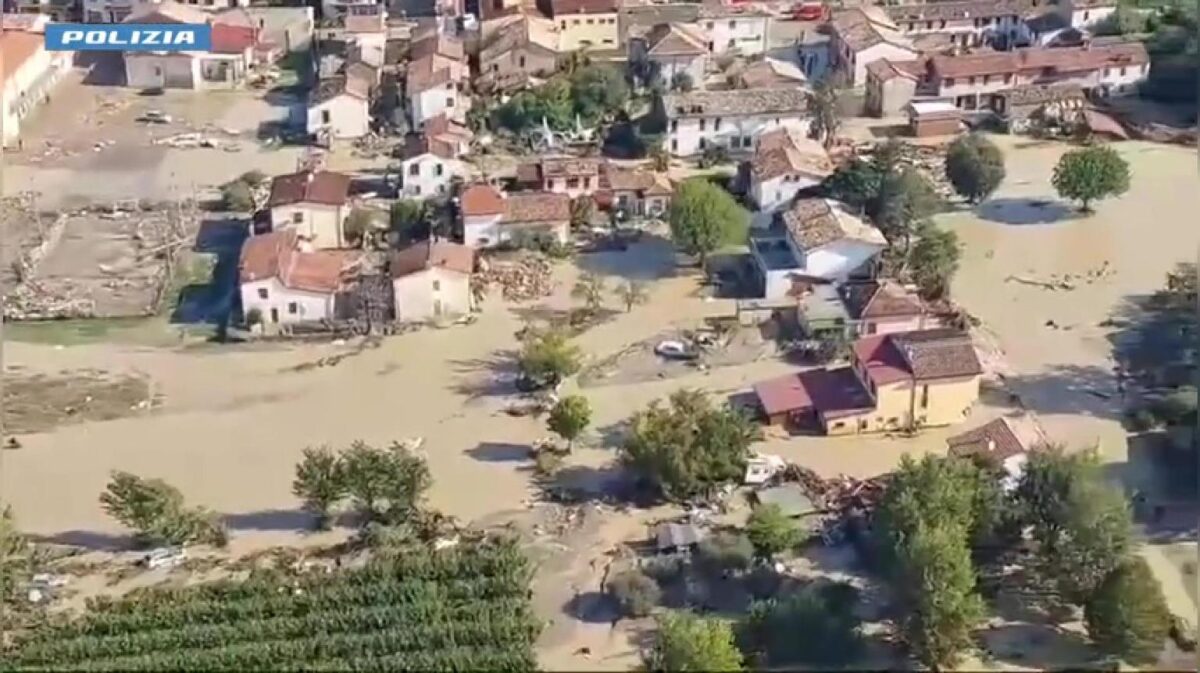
(636, 594)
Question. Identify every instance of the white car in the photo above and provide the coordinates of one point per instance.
(164, 557)
(50, 581)
(674, 350)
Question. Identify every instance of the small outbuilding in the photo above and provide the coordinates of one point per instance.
(676, 537)
(933, 118)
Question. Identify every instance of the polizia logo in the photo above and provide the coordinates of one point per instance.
(128, 37)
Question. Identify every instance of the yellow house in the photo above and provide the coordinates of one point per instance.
(894, 381)
(584, 23)
(315, 204)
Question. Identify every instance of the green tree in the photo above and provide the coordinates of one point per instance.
(816, 625)
(386, 485)
(237, 196)
(632, 293)
(16, 558)
(254, 178)
(685, 642)
(902, 207)
(714, 155)
(825, 102)
(974, 167)
(681, 81)
(547, 356)
(1089, 174)
(569, 418)
(635, 593)
(155, 510)
(689, 447)
(358, 224)
(854, 183)
(582, 209)
(410, 220)
(598, 91)
(725, 552)
(934, 260)
(704, 217)
(1125, 20)
(770, 531)
(660, 160)
(320, 483)
(1127, 616)
(590, 288)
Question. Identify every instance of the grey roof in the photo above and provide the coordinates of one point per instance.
(637, 20)
(675, 535)
(789, 100)
(950, 11)
(789, 498)
(1040, 94)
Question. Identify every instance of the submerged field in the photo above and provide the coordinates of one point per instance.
(458, 609)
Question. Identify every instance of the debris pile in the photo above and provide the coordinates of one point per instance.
(1066, 281)
(839, 495)
(522, 279)
(929, 160)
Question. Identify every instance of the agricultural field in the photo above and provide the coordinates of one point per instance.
(465, 608)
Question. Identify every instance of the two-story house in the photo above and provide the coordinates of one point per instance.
(432, 280)
(572, 176)
(313, 203)
(283, 280)
(967, 24)
(583, 24)
(491, 217)
(785, 162)
(894, 381)
(428, 167)
(863, 35)
(635, 192)
(514, 49)
(436, 78)
(820, 242)
(339, 107)
(698, 120)
(735, 28)
(675, 49)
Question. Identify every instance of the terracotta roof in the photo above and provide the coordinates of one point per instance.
(423, 74)
(880, 299)
(442, 125)
(995, 438)
(432, 43)
(634, 180)
(813, 223)
(772, 72)
(1102, 124)
(308, 187)
(938, 353)
(864, 27)
(881, 360)
(1060, 59)
(415, 146)
(784, 150)
(951, 11)
(481, 199)
(788, 100)
(275, 255)
(428, 254)
(832, 392)
(227, 39)
(672, 39)
(884, 69)
(15, 49)
(561, 7)
(536, 207)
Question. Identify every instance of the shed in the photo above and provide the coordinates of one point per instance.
(677, 536)
(790, 499)
(933, 118)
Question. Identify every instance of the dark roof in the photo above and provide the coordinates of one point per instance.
(415, 146)
(873, 299)
(677, 535)
(332, 87)
(938, 353)
(429, 254)
(949, 11)
(832, 392)
(310, 187)
(991, 439)
(1048, 21)
(788, 100)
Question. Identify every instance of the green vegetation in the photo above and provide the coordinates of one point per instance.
(358, 225)
(465, 608)
(770, 531)
(825, 104)
(590, 92)
(1089, 174)
(636, 594)
(156, 511)
(815, 625)
(725, 552)
(974, 166)
(569, 418)
(704, 217)
(689, 447)
(320, 482)
(1127, 616)
(1173, 50)
(238, 195)
(410, 220)
(632, 293)
(385, 485)
(685, 642)
(590, 288)
(934, 260)
(547, 356)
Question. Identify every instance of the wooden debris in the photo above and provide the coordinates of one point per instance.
(522, 279)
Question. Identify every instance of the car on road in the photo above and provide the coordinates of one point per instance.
(164, 557)
(675, 350)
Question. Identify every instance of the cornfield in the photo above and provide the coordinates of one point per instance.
(461, 609)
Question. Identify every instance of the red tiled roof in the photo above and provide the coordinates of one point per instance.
(874, 299)
(415, 146)
(481, 199)
(15, 49)
(941, 353)
(429, 254)
(882, 361)
(991, 439)
(537, 207)
(275, 255)
(832, 392)
(308, 187)
(1058, 59)
(228, 39)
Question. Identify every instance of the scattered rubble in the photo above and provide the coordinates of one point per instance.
(1066, 281)
(521, 279)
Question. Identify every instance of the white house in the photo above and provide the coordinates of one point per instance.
(432, 279)
(313, 203)
(863, 35)
(740, 29)
(731, 119)
(224, 66)
(427, 167)
(339, 107)
(434, 91)
(821, 241)
(635, 192)
(784, 163)
(1085, 13)
(284, 281)
(492, 218)
(966, 23)
(30, 74)
(676, 50)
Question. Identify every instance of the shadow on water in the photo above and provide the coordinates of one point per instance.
(1025, 211)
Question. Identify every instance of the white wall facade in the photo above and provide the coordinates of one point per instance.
(857, 63)
(428, 175)
(283, 305)
(691, 136)
(432, 293)
(837, 260)
(318, 223)
(1120, 80)
(1083, 17)
(692, 66)
(345, 116)
(779, 191)
(482, 231)
(432, 102)
(746, 35)
(29, 86)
